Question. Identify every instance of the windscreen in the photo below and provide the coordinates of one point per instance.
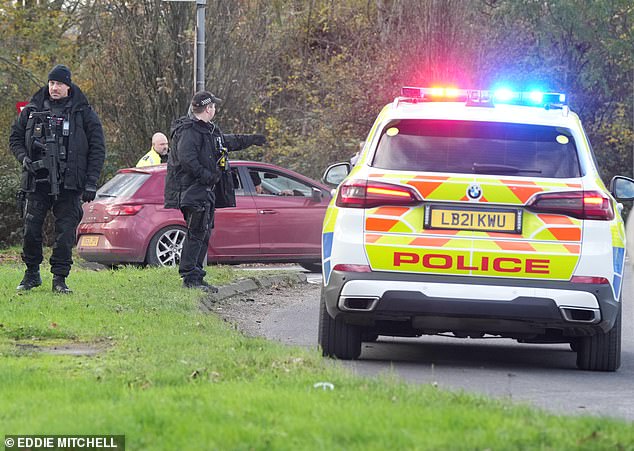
(478, 147)
(122, 185)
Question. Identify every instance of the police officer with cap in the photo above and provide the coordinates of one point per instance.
(192, 171)
(59, 109)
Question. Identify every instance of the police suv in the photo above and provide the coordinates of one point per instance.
(476, 213)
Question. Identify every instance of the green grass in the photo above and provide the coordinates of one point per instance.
(171, 377)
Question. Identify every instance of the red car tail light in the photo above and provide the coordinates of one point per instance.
(578, 204)
(123, 210)
(370, 194)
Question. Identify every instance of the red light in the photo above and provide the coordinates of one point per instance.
(578, 204)
(370, 193)
(352, 268)
(123, 210)
(447, 92)
(589, 279)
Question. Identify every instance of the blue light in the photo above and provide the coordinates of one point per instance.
(536, 96)
(480, 97)
(504, 95)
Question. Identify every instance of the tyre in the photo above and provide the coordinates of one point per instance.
(336, 338)
(165, 247)
(369, 337)
(601, 352)
(312, 267)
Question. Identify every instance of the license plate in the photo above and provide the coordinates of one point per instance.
(507, 220)
(89, 240)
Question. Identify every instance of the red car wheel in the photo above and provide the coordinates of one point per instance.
(165, 247)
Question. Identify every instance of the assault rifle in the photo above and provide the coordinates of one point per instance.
(47, 129)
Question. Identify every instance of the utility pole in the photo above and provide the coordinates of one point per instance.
(199, 44)
(199, 63)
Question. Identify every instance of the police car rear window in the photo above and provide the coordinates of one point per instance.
(492, 148)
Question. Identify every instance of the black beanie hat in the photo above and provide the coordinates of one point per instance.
(60, 73)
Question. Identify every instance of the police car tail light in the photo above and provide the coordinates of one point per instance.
(578, 204)
(352, 268)
(370, 193)
(590, 279)
(123, 210)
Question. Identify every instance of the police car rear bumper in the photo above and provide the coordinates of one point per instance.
(507, 307)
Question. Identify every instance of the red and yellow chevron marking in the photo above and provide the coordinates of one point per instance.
(515, 246)
(549, 246)
(381, 224)
(498, 190)
(391, 211)
(555, 219)
(535, 227)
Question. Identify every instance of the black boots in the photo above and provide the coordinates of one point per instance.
(199, 284)
(59, 285)
(30, 280)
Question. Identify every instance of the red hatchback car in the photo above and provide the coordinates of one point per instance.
(277, 218)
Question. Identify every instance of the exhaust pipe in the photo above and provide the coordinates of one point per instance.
(358, 303)
(580, 315)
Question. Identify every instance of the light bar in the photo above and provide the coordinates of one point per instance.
(483, 97)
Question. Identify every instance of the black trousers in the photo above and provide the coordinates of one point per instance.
(67, 213)
(199, 224)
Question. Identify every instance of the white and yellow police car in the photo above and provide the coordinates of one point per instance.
(476, 213)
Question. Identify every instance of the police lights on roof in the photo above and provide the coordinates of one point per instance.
(483, 96)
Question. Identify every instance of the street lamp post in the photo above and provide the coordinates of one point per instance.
(199, 44)
(199, 81)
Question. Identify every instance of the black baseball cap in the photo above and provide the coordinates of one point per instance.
(204, 98)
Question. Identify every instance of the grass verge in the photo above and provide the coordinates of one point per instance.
(171, 377)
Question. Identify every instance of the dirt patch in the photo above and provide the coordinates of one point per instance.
(6, 258)
(247, 312)
(69, 348)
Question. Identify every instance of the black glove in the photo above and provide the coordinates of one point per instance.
(89, 193)
(27, 165)
(259, 140)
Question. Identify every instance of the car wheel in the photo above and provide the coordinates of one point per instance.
(336, 338)
(312, 267)
(369, 337)
(601, 352)
(165, 247)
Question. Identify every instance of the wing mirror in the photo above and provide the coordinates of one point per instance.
(336, 173)
(622, 188)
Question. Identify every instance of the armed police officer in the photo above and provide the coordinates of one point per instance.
(194, 167)
(59, 141)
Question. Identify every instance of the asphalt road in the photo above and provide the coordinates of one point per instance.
(544, 376)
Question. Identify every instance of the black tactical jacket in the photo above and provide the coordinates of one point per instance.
(85, 144)
(192, 165)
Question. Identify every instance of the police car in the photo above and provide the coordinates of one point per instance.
(476, 213)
